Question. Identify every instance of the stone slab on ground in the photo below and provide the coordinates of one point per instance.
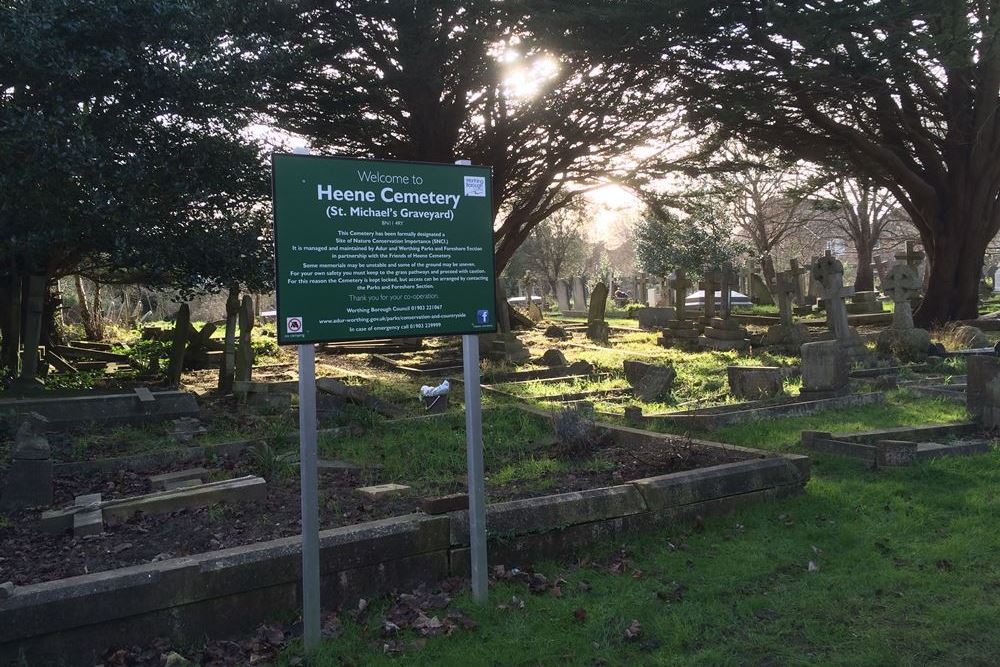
(72, 411)
(160, 482)
(382, 491)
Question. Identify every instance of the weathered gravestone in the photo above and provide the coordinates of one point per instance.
(654, 318)
(554, 358)
(244, 351)
(28, 482)
(825, 370)
(797, 274)
(813, 291)
(902, 339)
(755, 382)
(503, 345)
(534, 313)
(724, 332)
(597, 328)
(915, 260)
(829, 272)
(709, 281)
(983, 390)
(227, 368)
(182, 326)
(27, 381)
(864, 303)
(649, 381)
(759, 293)
(786, 336)
(679, 332)
(562, 295)
(579, 294)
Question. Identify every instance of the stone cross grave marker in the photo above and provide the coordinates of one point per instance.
(829, 272)
(901, 284)
(813, 290)
(797, 272)
(708, 283)
(727, 278)
(788, 287)
(680, 284)
(911, 255)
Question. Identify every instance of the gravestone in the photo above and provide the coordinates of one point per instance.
(27, 381)
(178, 345)
(579, 294)
(915, 260)
(597, 328)
(28, 482)
(679, 332)
(825, 370)
(786, 336)
(534, 313)
(654, 318)
(752, 383)
(881, 267)
(813, 287)
(553, 357)
(902, 339)
(797, 274)
(829, 272)
(864, 303)
(227, 369)
(996, 281)
(562, 295)
(759, 293)
(244, 350)
(724, 333)
(709, 281)
(650, 381)
(767, 269)
(503, 345)
(983, 390)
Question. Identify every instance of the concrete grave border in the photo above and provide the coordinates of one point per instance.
(124, 408)
(876, 448)
(232, 591)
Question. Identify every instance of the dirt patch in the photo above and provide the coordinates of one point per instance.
(29, 556)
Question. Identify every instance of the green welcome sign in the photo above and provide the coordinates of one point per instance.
(375, 249)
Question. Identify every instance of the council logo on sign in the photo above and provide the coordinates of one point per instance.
(475, 186)
(293, 325)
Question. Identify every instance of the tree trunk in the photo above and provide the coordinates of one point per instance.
(956, 261)
(90, 315)
(864, 281)
(10, 322)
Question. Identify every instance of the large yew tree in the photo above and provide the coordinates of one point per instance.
(503, 84)
(906, 91)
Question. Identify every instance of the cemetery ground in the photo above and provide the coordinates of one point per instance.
(866, 567)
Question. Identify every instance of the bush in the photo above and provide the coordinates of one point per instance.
(576, 431)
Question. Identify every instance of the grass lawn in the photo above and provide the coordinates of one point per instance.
(904, 572)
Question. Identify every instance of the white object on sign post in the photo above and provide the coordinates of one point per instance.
(310, 492)
(474, 449)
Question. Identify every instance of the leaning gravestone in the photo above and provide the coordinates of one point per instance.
(178, 345)
(786, 336)
(649, 381)
(597, 328)
(829, 272)
(902, 339)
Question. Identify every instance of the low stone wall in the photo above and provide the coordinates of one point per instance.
(222, 593)
(72, 411)
(876, 448)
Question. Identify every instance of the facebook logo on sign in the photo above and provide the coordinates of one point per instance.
(482, 317)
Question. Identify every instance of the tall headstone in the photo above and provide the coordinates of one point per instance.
(829, 272)
(227, 369)
(915, 260)
(813, 288)
(244, 350)
(562, 295)
(178, 345)
(579, 294)
(722, 332)
(597, 328)
(786, 336)
(902, 339)
(798, 273)
(767, 270)
(759, 292)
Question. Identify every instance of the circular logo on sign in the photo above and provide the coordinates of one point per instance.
(293, 325)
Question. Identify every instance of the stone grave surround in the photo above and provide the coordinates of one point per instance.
(724, 333)
(680, 332)
(786, 336)
(902, 339)
(829, 272)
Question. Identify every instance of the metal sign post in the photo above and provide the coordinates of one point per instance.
(309, 491)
